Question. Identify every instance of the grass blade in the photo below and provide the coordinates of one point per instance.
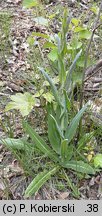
(53, 135)
(61, 68)
(64, 149)
(71, 130)
(73, 187)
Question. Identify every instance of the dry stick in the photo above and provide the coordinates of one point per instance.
(85, 64)
(97, 66)
(94, 72)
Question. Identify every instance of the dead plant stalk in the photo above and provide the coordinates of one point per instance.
(85, 63)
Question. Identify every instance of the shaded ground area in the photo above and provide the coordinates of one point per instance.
(16, 74)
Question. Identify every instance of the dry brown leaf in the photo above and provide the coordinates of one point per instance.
(63, 195)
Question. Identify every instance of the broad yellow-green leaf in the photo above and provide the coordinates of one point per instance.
(30, 40)
(75, 21)
(39, 181)
(79, 166)
(22, 102)
(41, 21)
(79, 29)
(85, 34)
(29, 3)
(49, 45)
(74, 46)
(39, 34)
(71, 130)
(53, 55)
(98, 161)
(39, 142)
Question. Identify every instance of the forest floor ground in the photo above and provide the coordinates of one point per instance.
(17, 75)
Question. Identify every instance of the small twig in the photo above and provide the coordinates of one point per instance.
(91, 75)
(96, 80)
(91, 69)
(87, 53)
(3, 94)
(85, 63)
(92, 89)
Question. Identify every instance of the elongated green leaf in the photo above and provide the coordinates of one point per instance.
(67, 103)
(69, 153)
(98, 161)
(53, 135)
(39, 34)
(61, 68)
(64, 31)
(17, 144)
(71, 130)
(53, 87)
(79, 166)
(69, 75)
(66, 151)
(39, 181)
(74, 62)
(57, 127)
(40, 143)
(64, 148)
(30, 3)
(65, 22)
(58, 40)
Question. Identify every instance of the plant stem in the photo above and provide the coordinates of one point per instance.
(85, 63)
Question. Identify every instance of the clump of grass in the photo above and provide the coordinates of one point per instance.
(5, 21)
